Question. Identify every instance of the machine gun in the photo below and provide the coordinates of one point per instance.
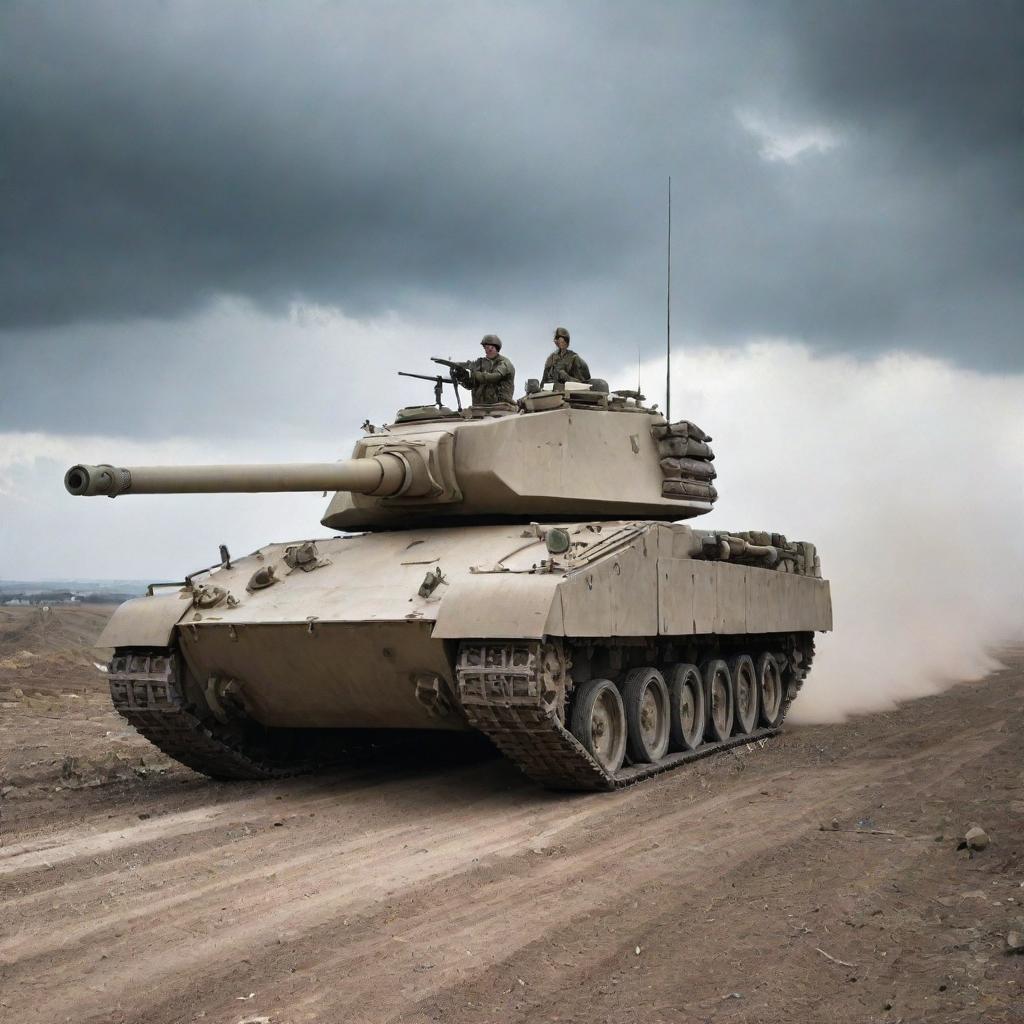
(439, 383)
(457, 370)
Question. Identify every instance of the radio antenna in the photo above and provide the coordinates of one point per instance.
(668, 313)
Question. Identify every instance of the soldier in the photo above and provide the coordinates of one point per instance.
(492, 378)
(564, 364)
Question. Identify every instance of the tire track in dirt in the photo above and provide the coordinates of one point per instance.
(527, 906)
(362, 905)
(461, 874)
(754, 924)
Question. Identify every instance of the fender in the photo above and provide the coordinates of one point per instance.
(146, 621)
(501, 605)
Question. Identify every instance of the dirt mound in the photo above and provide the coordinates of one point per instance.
(50, 649)
(43, 629)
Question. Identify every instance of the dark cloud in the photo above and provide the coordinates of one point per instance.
(509, 157)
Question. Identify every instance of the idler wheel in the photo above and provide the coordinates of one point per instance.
(744, 685)
(645, 696)
(769, 689)
(720, 699)
(598, 721)
(688, 713)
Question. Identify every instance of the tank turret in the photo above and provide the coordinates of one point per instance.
(576, 454)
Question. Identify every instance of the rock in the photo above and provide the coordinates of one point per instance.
(975, 838)
(1014, 942)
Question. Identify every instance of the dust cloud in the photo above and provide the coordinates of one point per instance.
(909, 476)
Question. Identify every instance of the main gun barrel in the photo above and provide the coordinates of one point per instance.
(382, 475)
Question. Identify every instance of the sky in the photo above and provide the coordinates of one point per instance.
(226, 226)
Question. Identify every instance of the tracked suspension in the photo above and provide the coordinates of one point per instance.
(146, 689)
(513, 692)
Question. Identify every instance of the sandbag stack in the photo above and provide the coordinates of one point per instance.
(686, 458)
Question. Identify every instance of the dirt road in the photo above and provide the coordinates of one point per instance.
(144, 893)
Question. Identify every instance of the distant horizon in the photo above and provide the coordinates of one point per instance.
(66, 581)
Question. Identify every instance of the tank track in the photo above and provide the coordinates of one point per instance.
(146, 689)
(511, 692)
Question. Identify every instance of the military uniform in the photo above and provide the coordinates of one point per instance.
(564, 365)
(492, 380)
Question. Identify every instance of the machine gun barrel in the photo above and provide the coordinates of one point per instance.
(455, 370)
(439, 382)
(381, 475)
(434, 377)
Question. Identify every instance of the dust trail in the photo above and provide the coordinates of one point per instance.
(907, 473)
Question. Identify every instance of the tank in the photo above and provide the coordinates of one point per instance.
(528, 572)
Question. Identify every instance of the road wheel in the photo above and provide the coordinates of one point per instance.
(718, 682)
(598, 721)
(686, 701)
(645, 696)
(769, 689)
(744, 686)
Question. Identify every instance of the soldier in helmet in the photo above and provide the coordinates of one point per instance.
(492, 378)
(563, 364)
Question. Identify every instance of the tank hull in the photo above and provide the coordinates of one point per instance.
(343, 675)
(378, 631)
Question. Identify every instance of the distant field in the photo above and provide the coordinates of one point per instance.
(51, 650)
(22, 592)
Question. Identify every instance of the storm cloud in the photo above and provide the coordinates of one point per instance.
(849, 176)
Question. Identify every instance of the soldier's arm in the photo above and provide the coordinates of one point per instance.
(502, 371)
(583, 369)
(548, 376)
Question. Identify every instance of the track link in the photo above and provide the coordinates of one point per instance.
(512, 692)
(146, 689)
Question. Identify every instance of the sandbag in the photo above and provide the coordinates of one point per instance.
(681, 428)
(694, 469)
(685, 448)
(688, 489)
